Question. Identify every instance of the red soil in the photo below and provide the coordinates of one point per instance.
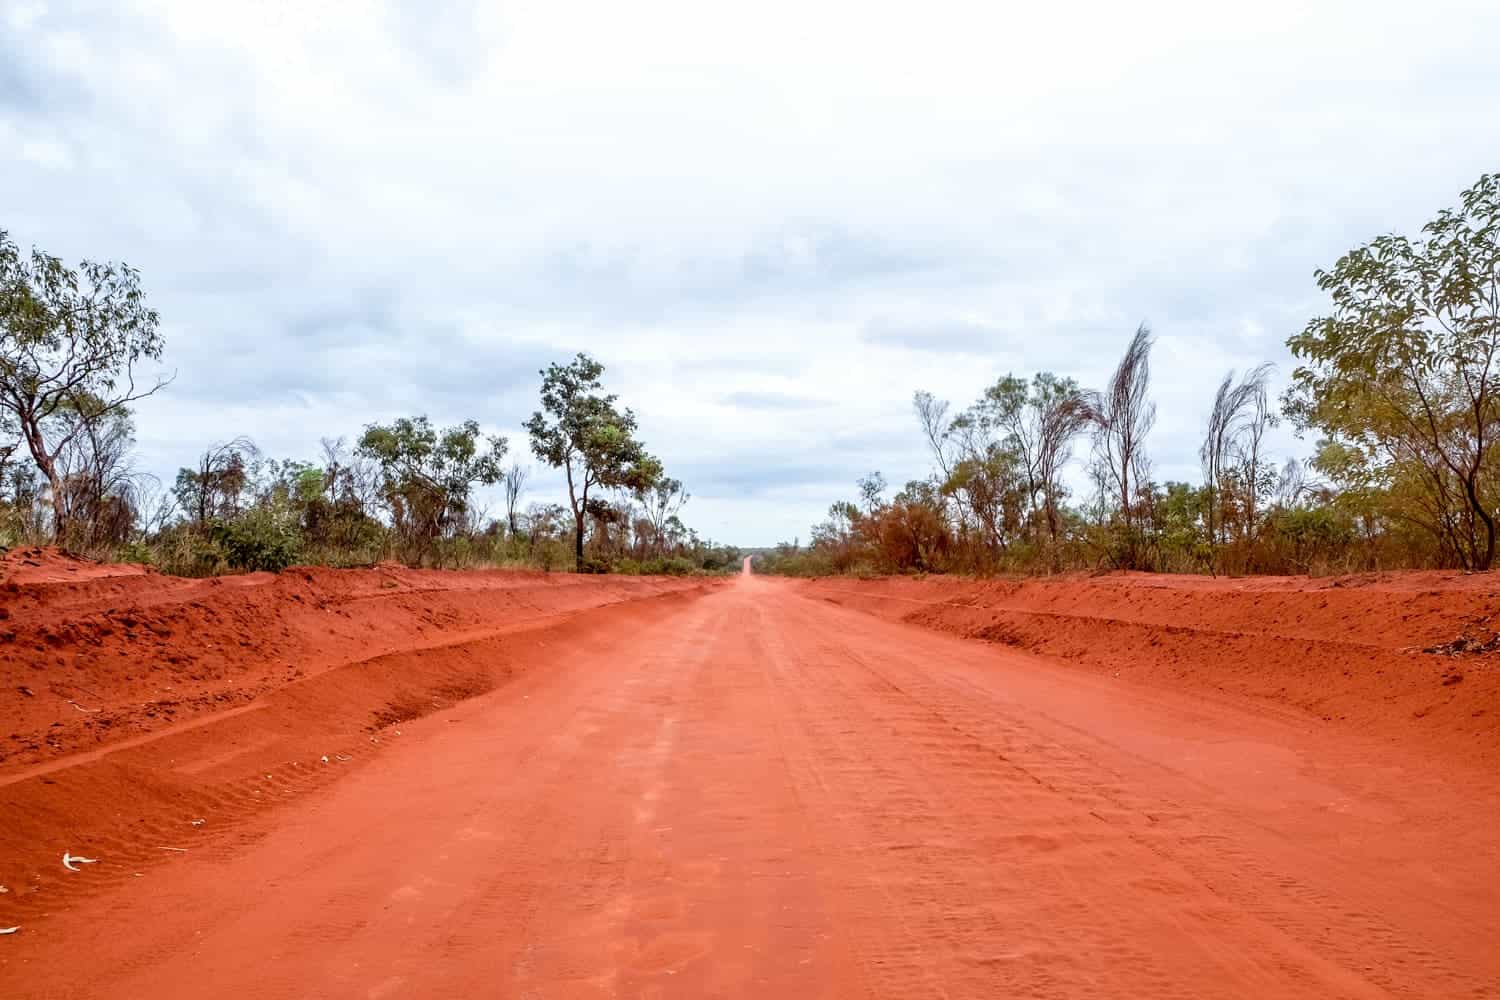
(1408, 657)
(47, 565)
(92, 654)
(745, 790)
(110, 675)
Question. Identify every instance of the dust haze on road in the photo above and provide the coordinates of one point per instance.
(752, 793)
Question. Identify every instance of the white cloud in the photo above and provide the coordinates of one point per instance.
(347, 210)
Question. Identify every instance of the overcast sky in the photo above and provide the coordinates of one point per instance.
(772, 221)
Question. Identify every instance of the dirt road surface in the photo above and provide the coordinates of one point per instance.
(753, 793)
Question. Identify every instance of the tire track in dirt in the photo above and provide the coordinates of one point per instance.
(1216, 863)
(934, 823)
(1071, 762)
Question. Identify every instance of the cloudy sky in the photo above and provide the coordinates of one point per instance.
(771, 221)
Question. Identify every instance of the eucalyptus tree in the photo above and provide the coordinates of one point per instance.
(1039, 420)
(662, 501)
(71, 340)
(582, 430)
(215, 488)
(428, 475)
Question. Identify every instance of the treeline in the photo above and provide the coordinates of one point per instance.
(74, 340)
(1396, 383)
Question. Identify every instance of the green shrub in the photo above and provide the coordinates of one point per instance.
(262, 539)
(135, 552)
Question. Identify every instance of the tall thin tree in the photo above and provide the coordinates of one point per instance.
(1123, 415)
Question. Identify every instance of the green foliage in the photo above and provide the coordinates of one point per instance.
(70, 340)
(1309, 540)
(1174, 528)
(792, 559)
(582, 431)
(1400, 377)
(1398, 380)
(265, 538)
(999, 466)
(216, 488)
(661, 501)
(428, 476)
(134, 552)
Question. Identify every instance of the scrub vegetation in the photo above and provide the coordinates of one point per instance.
(1396, 383)
(75, 341)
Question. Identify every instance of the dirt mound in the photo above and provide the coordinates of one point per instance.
(111, 654)
(139, 801)
(1396, 654)
(49, 565)
(140, 708)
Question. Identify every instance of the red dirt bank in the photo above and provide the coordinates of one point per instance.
(1402, 656)
(135, 703)
(91, 654)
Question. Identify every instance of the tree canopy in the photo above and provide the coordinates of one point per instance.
(70, 341)
(428, 475)
(1400, 376)
(581, 430)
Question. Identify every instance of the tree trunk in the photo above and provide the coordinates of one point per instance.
(1056, 556)
(578, 541)
(1483, 558)
(34, 443)
(59, 508)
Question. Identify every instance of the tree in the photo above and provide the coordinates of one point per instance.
(1000, 461)
(582, 431)
(986, 478)
(932, 418)
(611, 523)
(71, 340)
(1400, 377)
(514, 482)
(662, 501)
(547, 529)
(871, 491)
(1231, 450)
(333, 503)
(1003, 407)
(101, 490)
(835, 536)
(428, 475)
(214, 489)
(1061, 412)
(1039, 422)
(912, 531)
(1123, 415)
(350, 479)
(1255, 476)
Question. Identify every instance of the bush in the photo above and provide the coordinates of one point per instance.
(670, 566)
(261, 540)
(135, 552)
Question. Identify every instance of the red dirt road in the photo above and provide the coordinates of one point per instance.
(755, 793)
